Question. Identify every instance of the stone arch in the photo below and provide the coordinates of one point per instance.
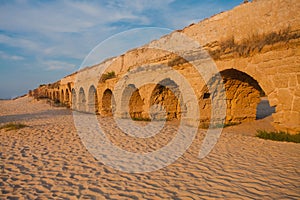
(81, 100)
(74, 100)
(132, 103)
(167, 95)
(67, 97)
(108, 103)
(92, 100)
(135, 103)
(62, 96)
(57, 96)
(243, 94)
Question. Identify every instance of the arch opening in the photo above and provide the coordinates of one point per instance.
(62, 97)
(57, 97)
(81, 100)
(67, 99)
(166, 96)
(243, 97)
(92, 100)
(74, 102)
(108, 103)
(136, 103)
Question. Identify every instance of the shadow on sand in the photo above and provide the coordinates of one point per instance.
(38, 115)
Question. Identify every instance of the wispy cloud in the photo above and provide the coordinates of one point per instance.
(66, 28)
(63, 16)
(6, 56)
(56, 36)
(19, 42)
(59, 65)
(72, 28)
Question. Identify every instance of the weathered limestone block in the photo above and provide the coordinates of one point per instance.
(298, 79)
(287, 121)
(292, 81)
(281, 80)
(285, 99)
(296, 104)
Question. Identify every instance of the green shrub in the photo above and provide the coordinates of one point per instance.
(108, 75)
(13, 126)
(278, 136)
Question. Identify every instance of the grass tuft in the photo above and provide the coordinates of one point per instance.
(207, 125)
(278, 136)
(13, 126)
(108, 75)
(253, 44)
(141, 119)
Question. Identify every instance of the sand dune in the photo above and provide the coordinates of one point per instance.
(48, 160)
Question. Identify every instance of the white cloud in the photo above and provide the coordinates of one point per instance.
(62, 16)
(121, 42)
(50, 17)
(64, 28)
(19, 42)
(6, 56)
(139, 5)
(58, 65)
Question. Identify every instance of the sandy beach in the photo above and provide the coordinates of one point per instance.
(47, 160)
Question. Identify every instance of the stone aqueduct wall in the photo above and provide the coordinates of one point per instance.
(255, 47)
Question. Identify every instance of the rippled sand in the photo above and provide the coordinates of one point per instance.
(48, 160)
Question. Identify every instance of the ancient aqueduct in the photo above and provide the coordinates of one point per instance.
(255, 47)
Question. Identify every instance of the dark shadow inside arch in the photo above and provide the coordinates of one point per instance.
(57, 96)
(74, 99)
(108, 103)
(92, 100)
(131, 99)
(166, 96)
(67, 98)
(62, 96)
(81, 100)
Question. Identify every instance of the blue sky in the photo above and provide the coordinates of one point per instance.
(42, 41)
